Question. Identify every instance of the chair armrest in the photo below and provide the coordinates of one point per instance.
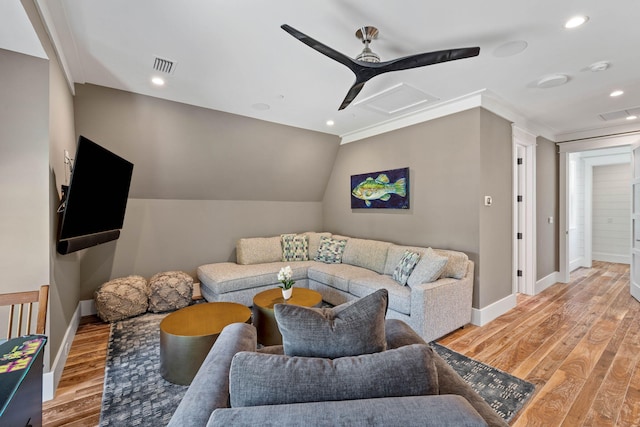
(210, 387)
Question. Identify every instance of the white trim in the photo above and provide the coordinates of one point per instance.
(617, 258)
(49, 26)
(576, 263)
(635, 291)
(481, 98)
(527, 141)
(51, 379)
(441, 109)
(547, 281)
(601, 142)
(620, 130)
(481, 317)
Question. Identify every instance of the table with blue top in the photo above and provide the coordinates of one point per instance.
(21, 381)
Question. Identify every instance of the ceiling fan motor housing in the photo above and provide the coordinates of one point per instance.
(366, 34)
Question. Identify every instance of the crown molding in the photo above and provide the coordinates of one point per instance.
(482, 98)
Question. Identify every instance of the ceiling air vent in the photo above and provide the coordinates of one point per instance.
(620, 114)
(164, 65)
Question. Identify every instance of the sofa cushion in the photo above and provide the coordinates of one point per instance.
(457, 263)
(295, 247)
(223, 277)
(270, 379)
(338, 275)
(369, 254)
(405, 267)
(399, 296)
(330, 250)
(349, 329)
(257, 250)
(314, 241)
(426, 411)
(428, 269)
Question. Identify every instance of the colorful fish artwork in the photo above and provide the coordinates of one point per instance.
(380, 189)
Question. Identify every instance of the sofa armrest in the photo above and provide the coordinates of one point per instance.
(210, 387)
(399, 333)
(440, 307)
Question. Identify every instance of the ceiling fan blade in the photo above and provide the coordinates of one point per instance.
(351, 95)
(424, 59)
(322, 48)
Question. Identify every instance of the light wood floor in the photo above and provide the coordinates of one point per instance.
(579, 343)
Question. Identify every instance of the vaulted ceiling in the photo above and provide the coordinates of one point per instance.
(233, 56)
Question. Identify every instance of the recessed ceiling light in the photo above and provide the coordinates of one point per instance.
(632, 117)
(158, 81)
(616, 93)
(261, 106)
(576, 21)
(330, 123)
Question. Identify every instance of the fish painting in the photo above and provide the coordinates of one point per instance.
(379, 189)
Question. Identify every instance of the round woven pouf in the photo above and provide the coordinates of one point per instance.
(121, 298)
(170, 290)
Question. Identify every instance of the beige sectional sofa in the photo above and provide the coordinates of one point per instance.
(432, 309)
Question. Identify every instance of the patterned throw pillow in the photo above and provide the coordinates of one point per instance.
(330, 250)
(428, 269)
(295, 247)
(405, 267)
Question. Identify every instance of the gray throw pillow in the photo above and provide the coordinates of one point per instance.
(405, 267)
(270, 379)
(428, 269)
(348, 329)
(295, 247)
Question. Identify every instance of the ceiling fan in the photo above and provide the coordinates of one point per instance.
(367, 64)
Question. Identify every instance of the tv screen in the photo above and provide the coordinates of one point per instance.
(96, 200)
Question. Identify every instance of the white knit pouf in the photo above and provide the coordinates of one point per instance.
(170, 290)
(121, 298)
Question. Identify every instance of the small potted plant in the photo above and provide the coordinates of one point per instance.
(284, 276)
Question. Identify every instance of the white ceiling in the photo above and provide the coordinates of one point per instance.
(233, 56)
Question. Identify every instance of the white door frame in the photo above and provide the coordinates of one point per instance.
(589, 164)
(525, 142)
(571, 147)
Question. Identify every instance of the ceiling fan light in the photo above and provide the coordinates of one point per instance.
(367, 55)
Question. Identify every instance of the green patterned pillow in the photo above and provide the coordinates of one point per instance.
(330, 250)
(295, 247)
(405, 267)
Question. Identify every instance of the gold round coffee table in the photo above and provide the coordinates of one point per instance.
(186, 336)
(263, 317)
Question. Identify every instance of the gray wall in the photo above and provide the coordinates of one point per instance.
(201, 180)
(449, 174)
(547, 205)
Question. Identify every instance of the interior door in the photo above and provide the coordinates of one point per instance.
(635, 222)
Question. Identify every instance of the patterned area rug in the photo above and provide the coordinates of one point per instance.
(134, 392)
(505, 393)
(136, 395)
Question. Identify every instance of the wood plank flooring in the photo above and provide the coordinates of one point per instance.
(579, 343)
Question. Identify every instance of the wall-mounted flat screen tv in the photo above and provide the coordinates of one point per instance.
(94, 204)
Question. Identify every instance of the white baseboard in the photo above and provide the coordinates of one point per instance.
(51, 379)
(547, 281)
(602, 256)
(577, 263)
(481, 317)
